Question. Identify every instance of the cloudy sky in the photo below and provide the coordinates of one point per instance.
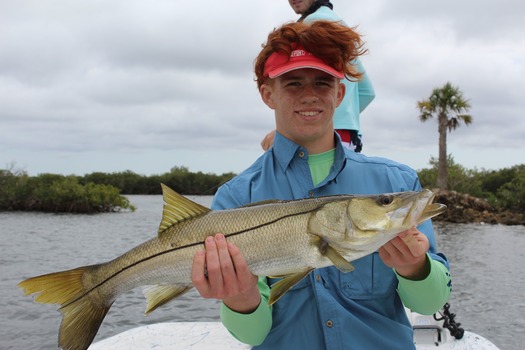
(146, 85)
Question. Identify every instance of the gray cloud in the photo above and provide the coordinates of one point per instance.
(149, 85)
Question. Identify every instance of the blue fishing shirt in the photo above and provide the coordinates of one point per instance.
(328, 309)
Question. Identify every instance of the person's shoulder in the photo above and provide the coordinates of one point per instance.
(235, 192)
(379, 162)
(323, 13)
(389, 175)
(246, 176)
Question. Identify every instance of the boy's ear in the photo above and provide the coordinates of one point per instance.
(266, 92)
(341, 93)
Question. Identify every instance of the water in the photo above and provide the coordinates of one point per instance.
(486, 267)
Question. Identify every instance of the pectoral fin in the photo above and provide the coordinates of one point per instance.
(337, 259)
(159, 295)
(280, 288)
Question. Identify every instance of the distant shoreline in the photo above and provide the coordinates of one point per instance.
(463, 208)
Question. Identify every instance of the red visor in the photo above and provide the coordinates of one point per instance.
(279, 63)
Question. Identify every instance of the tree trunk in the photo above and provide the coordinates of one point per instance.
(442, 162)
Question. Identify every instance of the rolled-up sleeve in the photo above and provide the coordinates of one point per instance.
(429, 295)
(250, 328)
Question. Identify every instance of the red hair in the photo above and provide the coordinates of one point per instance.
(333, 42)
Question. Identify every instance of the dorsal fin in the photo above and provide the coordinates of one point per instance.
(178, 208)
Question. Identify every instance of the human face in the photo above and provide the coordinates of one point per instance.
(300, 6)
(304, 101)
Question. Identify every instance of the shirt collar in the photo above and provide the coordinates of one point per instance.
(285, 150)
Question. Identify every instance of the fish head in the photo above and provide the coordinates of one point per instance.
(371, 221)
(392, 211)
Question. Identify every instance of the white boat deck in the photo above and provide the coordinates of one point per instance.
(213, 336)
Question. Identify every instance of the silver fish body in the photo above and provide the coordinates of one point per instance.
(277, 238)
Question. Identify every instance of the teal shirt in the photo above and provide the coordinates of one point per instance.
(358, 94)
(329, 309)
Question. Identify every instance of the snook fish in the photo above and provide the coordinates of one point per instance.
(277, 238)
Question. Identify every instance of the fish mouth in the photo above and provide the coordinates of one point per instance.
(423, 209)
(431, 210)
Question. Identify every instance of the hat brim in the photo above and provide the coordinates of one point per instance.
(300, 65)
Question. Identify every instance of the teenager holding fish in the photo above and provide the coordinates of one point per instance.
(359, 93)
(299, 73)
(309, 240)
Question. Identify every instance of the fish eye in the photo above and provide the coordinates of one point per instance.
(385, 199)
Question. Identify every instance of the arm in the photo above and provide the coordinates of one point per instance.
(429, 295)
(423, 292)
(406, 253)
(267, 141)
(254, 327)
(221, 272)
(244, 311)
(424, 283)
(365, 88)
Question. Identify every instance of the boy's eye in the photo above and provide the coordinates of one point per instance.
(324, 83)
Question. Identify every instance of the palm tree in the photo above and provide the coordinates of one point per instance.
(447, 104)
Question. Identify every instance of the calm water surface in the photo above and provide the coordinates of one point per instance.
(486, 263)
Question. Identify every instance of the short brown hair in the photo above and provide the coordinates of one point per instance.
(333, 42)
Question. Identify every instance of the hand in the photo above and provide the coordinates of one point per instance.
(221, 272)
(267, 142)
(406, 253)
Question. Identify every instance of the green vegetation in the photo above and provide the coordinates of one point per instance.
(180, 179)
(57, 193)
(101, 192)
(504, 189)
(96, 192)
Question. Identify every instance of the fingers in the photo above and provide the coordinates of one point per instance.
(221, 271)
(397, 248)
(267, 141)
(246, 279)
(408, 243)
(198, 273)
(404, 249)
(406, 253)
(416, 242)
(206, 271)
(213, 261)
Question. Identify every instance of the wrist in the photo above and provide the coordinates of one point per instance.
(415, 272)
(244, 303)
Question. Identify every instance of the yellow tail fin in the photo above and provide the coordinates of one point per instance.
(81, 315)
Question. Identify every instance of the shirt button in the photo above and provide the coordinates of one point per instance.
(318, 278)
(329, 324)
(311, 194)
(301, 154)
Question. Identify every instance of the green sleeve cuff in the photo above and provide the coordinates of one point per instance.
(429, 295)
(250, 328)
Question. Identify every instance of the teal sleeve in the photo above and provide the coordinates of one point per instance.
(429, 295)
(365, 88)
(250, 328)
